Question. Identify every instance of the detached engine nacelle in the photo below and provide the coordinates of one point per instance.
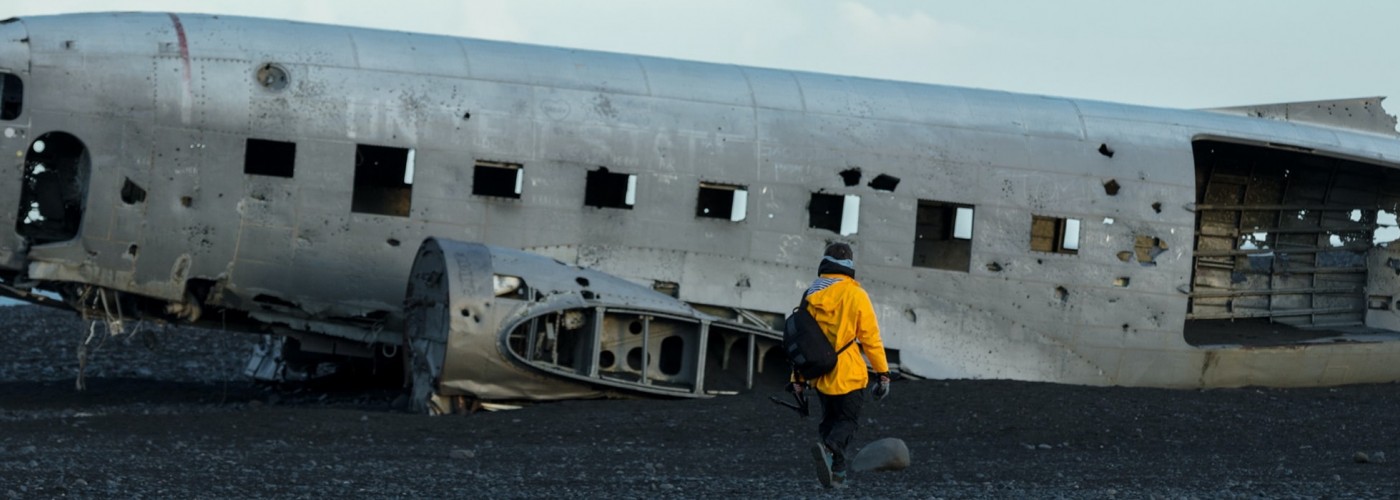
(492, 323)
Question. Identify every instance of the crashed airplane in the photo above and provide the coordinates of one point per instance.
(516, 222)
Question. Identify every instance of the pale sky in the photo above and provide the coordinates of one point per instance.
(1178, 53)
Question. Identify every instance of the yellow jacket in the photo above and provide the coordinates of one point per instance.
(843, 310)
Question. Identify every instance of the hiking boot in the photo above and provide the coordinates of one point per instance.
(838, 479)
(822, 459)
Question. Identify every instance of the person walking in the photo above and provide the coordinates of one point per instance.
(843, 310)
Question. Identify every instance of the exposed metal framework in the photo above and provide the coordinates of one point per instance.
(1285, 235)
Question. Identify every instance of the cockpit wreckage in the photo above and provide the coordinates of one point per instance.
(511, 222)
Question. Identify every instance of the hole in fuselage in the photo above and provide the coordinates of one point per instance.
(132, 193)
(53, 190)
(1287, 246)
(850, 176)
(672, 355)
(884, 182)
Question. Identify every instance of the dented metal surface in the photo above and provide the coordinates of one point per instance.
(1000, 235)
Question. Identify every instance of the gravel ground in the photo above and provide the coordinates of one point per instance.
(180, 421)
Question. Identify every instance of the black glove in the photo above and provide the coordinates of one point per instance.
(882, 387)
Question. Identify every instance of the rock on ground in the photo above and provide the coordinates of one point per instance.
(886, 454)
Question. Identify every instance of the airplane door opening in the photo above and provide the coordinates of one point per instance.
(54, 189)
(1289, 244)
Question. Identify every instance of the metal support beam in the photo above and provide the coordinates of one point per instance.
(1265, 251)
(598, 313)
(1269, 208)
(1236, 232)
(748, 371)
(1273, 314)
(1201, 294)
(704, 348)
(646, 348)
(1285, 270)
(530, 340)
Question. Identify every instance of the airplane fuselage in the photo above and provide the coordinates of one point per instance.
(289, 171)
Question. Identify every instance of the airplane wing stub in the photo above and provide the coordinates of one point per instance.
(1365, 114)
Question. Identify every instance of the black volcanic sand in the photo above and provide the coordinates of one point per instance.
(178, 420)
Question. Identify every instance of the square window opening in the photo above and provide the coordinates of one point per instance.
(834, 212)
(498, 179)
(722, 201)
(1054, 234)
(269, 158)
(943, 235)
(606, 189)
(383, 180)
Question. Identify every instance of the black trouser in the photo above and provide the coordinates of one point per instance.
(840, 418)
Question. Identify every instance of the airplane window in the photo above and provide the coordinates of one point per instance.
(11, 96)
(610, 190)
(834, 212)
(492, 178)
(1054, 234)
(272, 77)
(943, 235)
(722, 201)
(383, 180)
(270, 158)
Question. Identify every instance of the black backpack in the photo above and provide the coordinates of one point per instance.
(806, 346)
